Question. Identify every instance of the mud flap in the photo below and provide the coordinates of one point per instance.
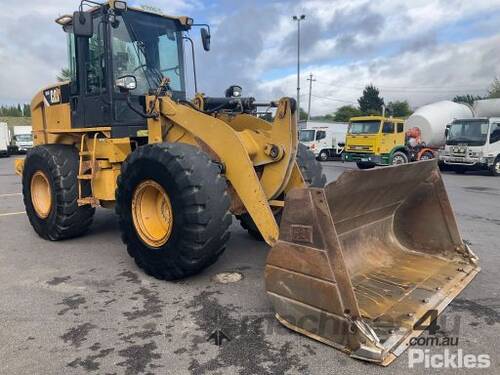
(360, 261)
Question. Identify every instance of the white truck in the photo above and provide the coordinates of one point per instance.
(325, 139)
(4, 139)
(474, 144)
(23, 139)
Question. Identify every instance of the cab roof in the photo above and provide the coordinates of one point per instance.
(376, 118)
(183, 20)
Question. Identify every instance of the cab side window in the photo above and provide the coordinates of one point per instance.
(400, 128)
(320, 134)
(388, 128)
(95, 66)
(495, 133)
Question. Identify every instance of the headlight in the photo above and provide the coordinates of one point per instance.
(234, 91)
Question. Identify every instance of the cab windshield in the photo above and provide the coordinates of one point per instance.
(471, 133)
(148, 47)
(23, 138)
(306, 136)
(364, 127)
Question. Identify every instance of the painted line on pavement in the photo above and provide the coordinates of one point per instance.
(10, 195)
(13, 213)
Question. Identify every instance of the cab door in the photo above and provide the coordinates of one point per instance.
(90, 103)
(400, 133)
(388, 139)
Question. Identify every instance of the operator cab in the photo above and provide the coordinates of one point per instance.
(119, 54)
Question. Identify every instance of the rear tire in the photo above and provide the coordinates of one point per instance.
(428, 155)
(312, 171)
(50, 192)
(199, 208)
(399, 158)
(365, 165)
(495, 168)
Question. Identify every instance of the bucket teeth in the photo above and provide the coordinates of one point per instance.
(360, 261)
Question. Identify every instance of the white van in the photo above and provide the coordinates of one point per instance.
(325, 139)
(22, 139)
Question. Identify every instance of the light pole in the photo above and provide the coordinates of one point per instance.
(298, 19)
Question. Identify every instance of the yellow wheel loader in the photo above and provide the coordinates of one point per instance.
(354, 264)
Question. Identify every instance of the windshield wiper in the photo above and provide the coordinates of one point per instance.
(140, 45)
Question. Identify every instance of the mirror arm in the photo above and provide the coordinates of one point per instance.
(88, 2)
(202, 25)
(194, 63)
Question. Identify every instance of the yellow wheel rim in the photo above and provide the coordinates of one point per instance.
(152, 213)
(41, 195)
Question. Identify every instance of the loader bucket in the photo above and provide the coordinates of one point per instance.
(359, 262)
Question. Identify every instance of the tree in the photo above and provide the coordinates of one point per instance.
(399, 108)
(370, 102)
(303, 115)
(64, 75)
(494, 91)
(327, 117)
(26, 110)
(15, 110)
(344, 113)
(467, 99)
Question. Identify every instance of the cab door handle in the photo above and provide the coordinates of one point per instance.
(74, 103)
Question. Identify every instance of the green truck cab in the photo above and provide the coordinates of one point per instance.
(375, 140)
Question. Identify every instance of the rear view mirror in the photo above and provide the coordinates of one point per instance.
(126, 83)
(205, 39)
(83, 24)
(120, 6)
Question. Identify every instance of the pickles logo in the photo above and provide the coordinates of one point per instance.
(53, 96)
(445, 358)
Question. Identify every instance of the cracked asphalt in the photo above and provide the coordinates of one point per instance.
(82, 305)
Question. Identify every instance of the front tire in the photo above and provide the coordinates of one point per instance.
(365, 165)
(324, 155)
(495, 168)
(173, 209)
(311, 170)
(50, 192)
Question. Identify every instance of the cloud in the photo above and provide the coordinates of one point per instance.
(421, 76)
(345, 43)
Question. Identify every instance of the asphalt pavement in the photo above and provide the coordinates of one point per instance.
(82, 305)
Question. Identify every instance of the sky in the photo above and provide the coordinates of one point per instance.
(419, 50)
